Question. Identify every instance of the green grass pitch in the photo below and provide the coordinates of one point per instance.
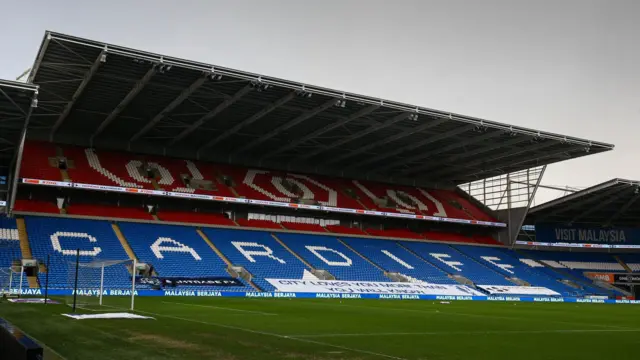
(248, 328)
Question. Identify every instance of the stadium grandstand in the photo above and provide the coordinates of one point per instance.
(190, 179)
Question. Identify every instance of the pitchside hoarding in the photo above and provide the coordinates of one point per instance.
(588, 235)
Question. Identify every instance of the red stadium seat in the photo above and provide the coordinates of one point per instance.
(303, 227)
(124, 170)
(395, 233)
(109, 211)
(195, 217)
(264, 224)
(36, 206)
(339, 229)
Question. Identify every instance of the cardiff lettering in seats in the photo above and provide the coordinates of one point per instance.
(494, 261)
(55, 242)
(397, 259)
(317, 251)
(250, 249)
(157, 247)
(451, 264)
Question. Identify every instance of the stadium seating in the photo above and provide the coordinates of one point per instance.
(119, 169)
(395, 233)
(263, 224)
(339, 229)
(452, 261)
(178, 251)
(108, 211)
(36, 164)
(327, 253)
(9, 252)
(36, 206)
(303, 227)
(573, 265)
(195, 217)
(259, 253)
(506, 262)
(175, 251)
(632, 260)
(394, 258)
(60, 238)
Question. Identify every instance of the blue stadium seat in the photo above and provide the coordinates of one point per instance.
(394, 258)
(572, 265)
(327, 253)
(506, 262)
(10, 249)
(60, 238)
(176, 251)
(632, 260)
(454, 262)
(259, 253)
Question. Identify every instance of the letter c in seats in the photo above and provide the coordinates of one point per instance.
(55, 242)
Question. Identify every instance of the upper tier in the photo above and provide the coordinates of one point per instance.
(186, 177)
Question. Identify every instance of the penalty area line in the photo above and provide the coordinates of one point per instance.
(220, 308)
(273, 335)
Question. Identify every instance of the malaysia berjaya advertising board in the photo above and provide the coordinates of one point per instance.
(305, 295)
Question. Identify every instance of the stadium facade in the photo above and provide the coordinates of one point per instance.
(222, 182)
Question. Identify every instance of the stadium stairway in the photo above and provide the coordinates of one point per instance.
(293, 252)
(583, 282)
(64, 174)
(231, 269)
(213, 247)
(25, 248)
(386, 273)
(624, 264)
(486, 266)
(124, 242)
(460, 279)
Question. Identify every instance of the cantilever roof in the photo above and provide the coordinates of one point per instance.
(15, 104)
(614, 202)
(98, 94)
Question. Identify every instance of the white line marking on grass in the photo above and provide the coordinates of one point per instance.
(274, 335)
(220, 308)
(488, 332)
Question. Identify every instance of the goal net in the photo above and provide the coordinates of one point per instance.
(11, 281)
(102, 284)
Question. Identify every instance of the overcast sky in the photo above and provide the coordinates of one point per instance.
(571, 67)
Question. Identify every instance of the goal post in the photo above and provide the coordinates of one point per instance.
(102, 283)
(11, 280)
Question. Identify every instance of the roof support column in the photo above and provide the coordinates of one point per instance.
(514, 229)
(18, 158)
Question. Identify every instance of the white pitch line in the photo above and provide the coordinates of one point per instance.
(489, 332)
(220, 308)
(274, 335)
